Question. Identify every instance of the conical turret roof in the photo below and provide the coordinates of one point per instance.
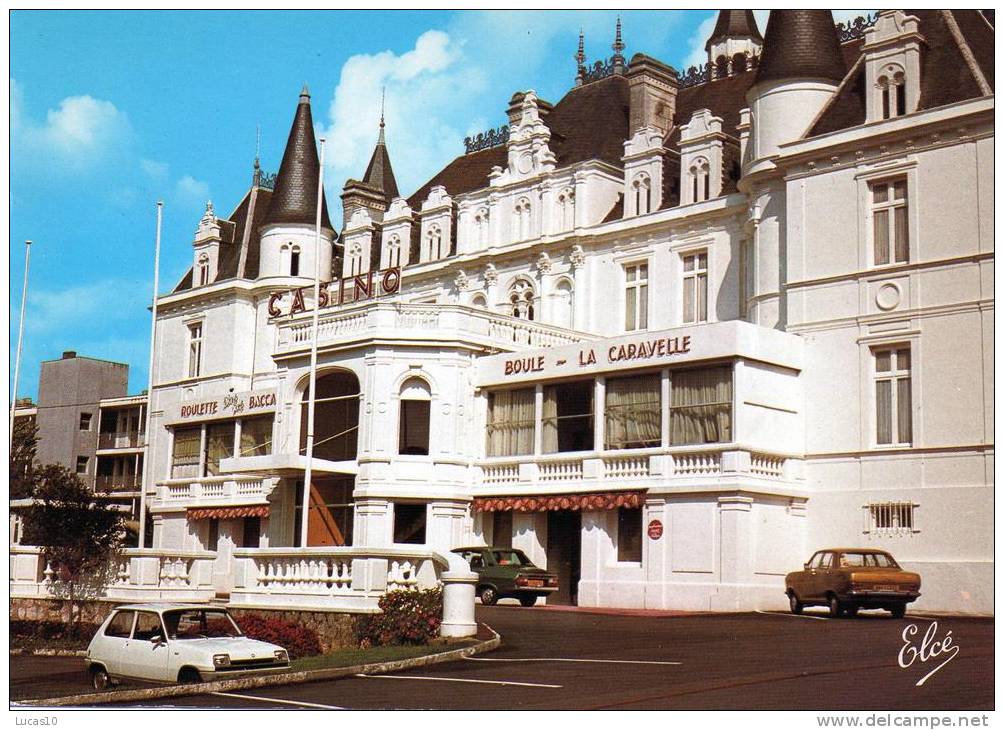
(379, 173)
(734, 24)
(294, 199)
(801, 44)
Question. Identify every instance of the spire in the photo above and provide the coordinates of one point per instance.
(294, 199)
(734, 24)
(618, 46)
(580, 60)
(383, 98)
(379, 173)
(801, 44)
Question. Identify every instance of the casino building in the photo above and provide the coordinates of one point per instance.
(668, 334)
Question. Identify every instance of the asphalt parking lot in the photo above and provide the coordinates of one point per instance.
(552, 659)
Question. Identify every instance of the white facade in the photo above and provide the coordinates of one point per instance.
(776, 288)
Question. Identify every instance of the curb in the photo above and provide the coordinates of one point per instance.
(229, 685)
(49, 652)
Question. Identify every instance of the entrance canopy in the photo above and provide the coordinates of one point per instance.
(574, 502)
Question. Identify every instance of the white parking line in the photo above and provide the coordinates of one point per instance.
(455, 679)
(794, 615)
(561, 659)
(280, 702)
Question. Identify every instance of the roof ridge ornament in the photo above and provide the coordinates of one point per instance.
(617, 60)
(580, 60)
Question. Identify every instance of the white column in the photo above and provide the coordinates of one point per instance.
(666, 395)
(538, 419)
(599, 408)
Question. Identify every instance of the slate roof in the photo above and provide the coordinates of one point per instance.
(734, 24)
(379, 173)
(801, 44)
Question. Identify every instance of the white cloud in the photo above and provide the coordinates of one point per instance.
(80, 306)
(189, 191)
(156, 171)
(80, 132)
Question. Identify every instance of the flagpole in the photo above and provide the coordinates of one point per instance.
(313, 352)
(147, 455)
(20, 335)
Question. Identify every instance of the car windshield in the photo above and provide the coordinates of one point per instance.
(200, 623)
(511, 557)
(866, 560)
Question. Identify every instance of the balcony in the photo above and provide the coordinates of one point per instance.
(121, 483)
(706, 467)
(215, 491)
(120, 440)
(448, 323)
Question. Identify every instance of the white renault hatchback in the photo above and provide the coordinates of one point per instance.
(176, 643)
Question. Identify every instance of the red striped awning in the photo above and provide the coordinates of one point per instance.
(227, 513)
(554, 502)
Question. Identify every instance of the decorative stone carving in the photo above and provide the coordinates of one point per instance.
(529, 153)
(577, 257)
(461, 281)
(544, 264)
(491, 275)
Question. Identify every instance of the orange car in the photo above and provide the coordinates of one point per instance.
(846, 579)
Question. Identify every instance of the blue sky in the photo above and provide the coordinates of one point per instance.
(112, 110)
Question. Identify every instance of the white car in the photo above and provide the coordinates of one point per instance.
(176, 643)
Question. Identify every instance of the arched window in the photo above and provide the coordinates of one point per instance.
(478, 300)
(521, 221)
(892, 90)
(284, 259)
(481, 227)
(394, 251)
(566, 209)
(355, 259)
(700, 180)
(294, 261)
(336, 416)
(641, 188)
(413, 430)
(434, 243)
(203, 269)
(564, 304)
(521, 299)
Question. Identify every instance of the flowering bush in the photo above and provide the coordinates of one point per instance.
(408, 617)
(298, 640)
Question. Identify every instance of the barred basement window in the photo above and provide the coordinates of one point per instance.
(891, 518)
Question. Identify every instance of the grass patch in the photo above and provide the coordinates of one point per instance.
(351, 657)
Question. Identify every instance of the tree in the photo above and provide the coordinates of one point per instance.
(78, 536)
(22, 456)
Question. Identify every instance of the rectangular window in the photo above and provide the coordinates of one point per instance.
(185, 459)
(628, 535)
(568, 417)
(82, 464)
(409, 523)
(502, 529)
(695, 287)
(636, 297)
(256, 436)
(219, 445)
(251, 537)
(893, 402)
(510, 422)
(414, 428)
(890, 231)
(213, 534)
(85, 421)
(194, 349)
(891, 518)
(701, 410)
(633, 417)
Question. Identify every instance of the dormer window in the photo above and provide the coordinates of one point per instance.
(892, 88)
(394, 251)
(566, 209)
(521, 297)
(355, 259)
(203, 269)
(521, 222)
(641, 188)
(700, 180)
(434, 243)
(481, 226)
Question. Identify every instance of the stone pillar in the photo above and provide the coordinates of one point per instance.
(736, 558)
(459, 584)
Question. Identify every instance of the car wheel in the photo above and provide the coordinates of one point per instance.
(488, 596)
(100, 680)
(836, 609)
(898, 611)
(527, 601)
(795, 604)
(188, 675)
(851, 610)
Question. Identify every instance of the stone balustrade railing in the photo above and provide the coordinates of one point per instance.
(216, 490)
(453, 322)
(339, 578)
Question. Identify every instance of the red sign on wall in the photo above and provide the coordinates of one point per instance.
(654, 529)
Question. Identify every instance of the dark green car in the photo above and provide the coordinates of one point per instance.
(507, 573)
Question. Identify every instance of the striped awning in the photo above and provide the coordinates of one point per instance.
(227, 513)
(554, 502)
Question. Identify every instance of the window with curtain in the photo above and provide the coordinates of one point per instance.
(219, 445)
(568, 417)
(185, 457)
(893, 402)
(635, 297)
(628, 535)
(695, 287)
(256, 436)
(701, 408)
(510, 422)
(633, 412)
(890, 231)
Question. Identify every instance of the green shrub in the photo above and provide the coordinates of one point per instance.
(408, 617)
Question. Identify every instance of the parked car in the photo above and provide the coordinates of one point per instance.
(507, 573)
(176, 643)
(847, 579)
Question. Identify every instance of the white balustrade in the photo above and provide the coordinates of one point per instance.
(767, 465)
(560, 471)
(625, 467)
(697, 463)
(507, 473)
